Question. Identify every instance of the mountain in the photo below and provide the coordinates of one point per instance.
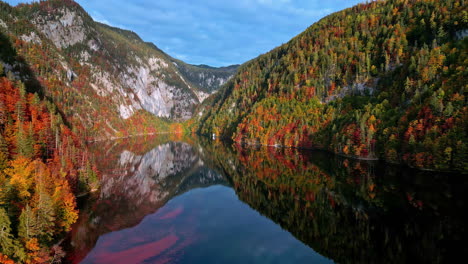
(382, 80)
(106, 81)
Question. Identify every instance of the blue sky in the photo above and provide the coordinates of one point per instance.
(213, 32)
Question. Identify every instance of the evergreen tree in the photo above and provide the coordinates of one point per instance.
(7, 243)
(4, 155)
(28, 226)
(45, 215)
(25, 142)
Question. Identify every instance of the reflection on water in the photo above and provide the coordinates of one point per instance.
(264, 206)
(138, 177)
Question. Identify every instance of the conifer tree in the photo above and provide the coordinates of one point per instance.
(28, 226)
(4, 155)
(6, 238)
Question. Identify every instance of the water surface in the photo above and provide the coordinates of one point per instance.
(166, 200)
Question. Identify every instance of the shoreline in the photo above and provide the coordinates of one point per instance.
(313, 148)
(130, 136)
(343, 155)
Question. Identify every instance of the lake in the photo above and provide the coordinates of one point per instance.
(169, 199)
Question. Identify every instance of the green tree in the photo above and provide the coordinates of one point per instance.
(25, 142)
(3, 154)
(45, 215)
(28, 227)
(7, 241)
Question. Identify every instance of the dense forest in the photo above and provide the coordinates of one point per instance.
(43, 165)
(382, 80)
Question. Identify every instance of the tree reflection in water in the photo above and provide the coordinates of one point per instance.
(352, 211)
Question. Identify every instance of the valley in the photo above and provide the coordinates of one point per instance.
(378, 91)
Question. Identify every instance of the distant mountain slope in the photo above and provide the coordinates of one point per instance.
(207, 79)
(386, 79)
(203, 77)
(107, 81)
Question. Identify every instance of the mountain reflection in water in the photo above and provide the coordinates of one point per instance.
(167, 201)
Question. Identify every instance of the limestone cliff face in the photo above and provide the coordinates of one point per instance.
(133, 76)
(63, 27)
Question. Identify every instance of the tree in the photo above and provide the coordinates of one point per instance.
(45, 215)
(43, 203)
(65, 203)
(3, 113)
(4, 155)
(448, 110)
(24, 143)
(7, 242)
(21, 179)
(28, 227)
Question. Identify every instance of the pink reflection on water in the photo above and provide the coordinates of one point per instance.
(171, 231)
(172, 214)
(137, 254)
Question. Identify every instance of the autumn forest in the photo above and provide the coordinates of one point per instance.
(385, 80)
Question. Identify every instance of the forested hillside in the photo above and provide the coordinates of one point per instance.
(43, 165)
(384, 79)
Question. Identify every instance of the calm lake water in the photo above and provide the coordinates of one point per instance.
(174, 200)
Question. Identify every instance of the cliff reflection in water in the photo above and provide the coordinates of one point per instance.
(348, 211)
(139, 175)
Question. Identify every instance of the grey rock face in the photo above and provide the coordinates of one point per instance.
(63, 27)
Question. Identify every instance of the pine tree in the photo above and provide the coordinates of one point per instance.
(27, 224)
(6, 238)
(24, 142)
(4, 155)
(45, 214)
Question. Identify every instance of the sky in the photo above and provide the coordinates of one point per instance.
(213, 32)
